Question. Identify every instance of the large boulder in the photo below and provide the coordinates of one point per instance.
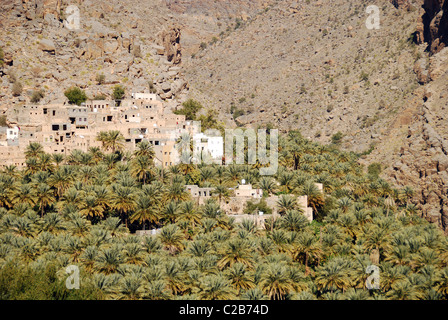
(438, 64)
(420, 69)
(47, 45)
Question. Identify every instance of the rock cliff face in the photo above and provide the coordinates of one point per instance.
(422, 163)
(432, 27)
(171, 42)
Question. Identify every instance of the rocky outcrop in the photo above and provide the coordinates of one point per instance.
(100, 45)
(47, 45)
(40, 8)
(420, 69)
(437, 66)
(432, 27)
(401, 4)
(422, 163)
(171, 43)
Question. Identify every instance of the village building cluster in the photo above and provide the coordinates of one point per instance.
(62, 128)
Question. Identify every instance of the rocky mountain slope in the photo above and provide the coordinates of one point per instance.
(312, 66)
(133, 43)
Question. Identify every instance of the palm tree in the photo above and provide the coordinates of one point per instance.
(44, 196)
(90, 207)
(61, 180)
(236, 250)
(102, 137)
(109, 260)
(307, 246)
(130, 287)
(389, 203)
(78, 225)
(45, 162)
(33, 150)
(375, 238)
(239, 277)
(254, 294)
(111, 140)
(176, 192)
(123, 199)
(111, 227)
(96, 154)
(86, 174)
(442, 286)
(157, 290)
(174, 278)
(216, 287)
(285, 179)
(408, 193)
(32, 165)
(286, 203)
(24, 194)
(293, 220)
(207, 174)
(133, 253)
(172, 238)
(389, 276)
(145, 211)
(268, 185)
(12, 171)
(171, 211)
(232, 173)
(294, 148)
(275, 282)
(6, 196)
(188, 212)
(221, 192)
(403, 290)
(199, 248)
(57, 159)
(344, 204)
(40, 177)
(22, 226)
(399, 255)
(334, 275)
(315, 196)
(144, 148)
(141, 168)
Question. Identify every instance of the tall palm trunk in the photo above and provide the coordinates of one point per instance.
(306, 264)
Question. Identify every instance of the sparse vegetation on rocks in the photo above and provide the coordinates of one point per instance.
(75, 95)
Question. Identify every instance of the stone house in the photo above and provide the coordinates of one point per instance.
(234, 205)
